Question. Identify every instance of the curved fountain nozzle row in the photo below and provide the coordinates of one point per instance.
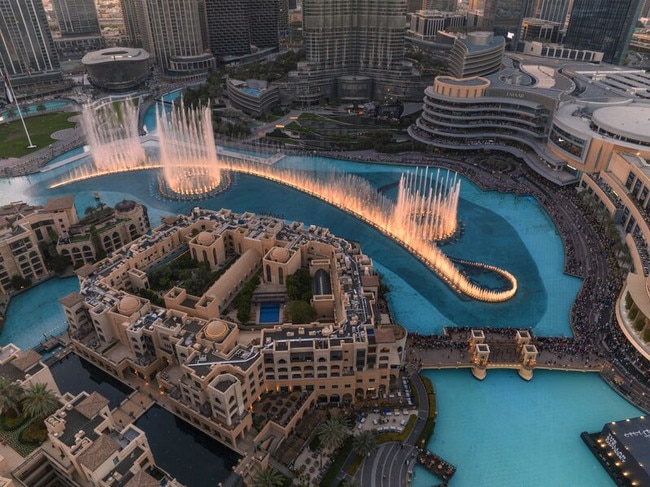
(425, 211)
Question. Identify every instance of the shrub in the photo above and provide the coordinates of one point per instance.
(646, 334)
(633, 313)
(639, 323)
(11, 423)
(34, 434)
(628, 301)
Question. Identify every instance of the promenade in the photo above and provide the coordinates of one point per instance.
(452, 351)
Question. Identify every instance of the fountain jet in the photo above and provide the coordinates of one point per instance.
(112, 133)
(188, 153)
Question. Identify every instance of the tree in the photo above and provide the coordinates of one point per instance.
(332, 433)
(299, 312)
(18, 282)
(298, 285)
(11, 394)
(364, 443)
(269, 477)
(39, 400)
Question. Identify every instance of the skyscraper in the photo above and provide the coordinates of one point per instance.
(552, 10)
(603, 25)
(27, 50)
(177, 31)
(502, 16)
(442, 5)
(76, 17)
(354, 49)
(236, 25)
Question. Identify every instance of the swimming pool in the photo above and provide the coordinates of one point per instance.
(269, 312)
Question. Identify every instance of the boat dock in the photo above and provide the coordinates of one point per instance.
(436, 465)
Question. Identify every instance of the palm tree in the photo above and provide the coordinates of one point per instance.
(332, 433)
(364, 443)
(11, 394)
(269, 477)
(39, 400)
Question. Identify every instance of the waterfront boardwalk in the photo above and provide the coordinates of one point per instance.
(452, 350)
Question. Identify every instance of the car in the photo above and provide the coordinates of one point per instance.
(375, 421)
(360, 426)
(405, 412)
(402, 422)
(362, 420)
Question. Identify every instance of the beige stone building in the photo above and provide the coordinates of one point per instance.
(85, 447)
(211, 370)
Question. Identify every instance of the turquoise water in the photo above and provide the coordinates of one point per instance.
(505, 432)
(149, 120)
(36, 314)
(50, 105)
(475, 417)
(505, 230)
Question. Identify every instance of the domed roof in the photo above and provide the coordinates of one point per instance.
(280, 254)
(216, 330)
(125, 205)
(128, 305)
(205, 238)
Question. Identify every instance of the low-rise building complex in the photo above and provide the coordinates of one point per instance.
(209, 369)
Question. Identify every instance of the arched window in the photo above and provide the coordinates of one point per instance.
(268, 273)
(280, 276)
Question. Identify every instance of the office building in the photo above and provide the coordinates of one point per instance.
(136, 22)
(534, 29)
(502, 16)
(551, 10)
(76, 17)
(442, 5)
(425, 24)
(354, 50)
(235, 27)
(177, 31)
(27, 51)
(603, 25)
(79, 29)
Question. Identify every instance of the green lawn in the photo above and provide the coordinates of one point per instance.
(13, 142)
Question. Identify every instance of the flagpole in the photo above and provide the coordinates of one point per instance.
(20, 113)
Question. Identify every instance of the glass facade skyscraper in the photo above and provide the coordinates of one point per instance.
(27, 51)
(76, 17)
(603, 25)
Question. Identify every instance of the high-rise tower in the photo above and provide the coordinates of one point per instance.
(76, 17)
(502, 16)
(603, 25)
(354, 50)
(236, 25)
(552, 10)
(177, 31)
(27, 51)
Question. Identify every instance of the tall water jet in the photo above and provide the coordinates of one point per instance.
(111, 131)
(188, 154)
(427, 205)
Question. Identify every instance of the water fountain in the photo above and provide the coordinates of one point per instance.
(425, 211)
(111, 131)
(427, 204)
(188, 153)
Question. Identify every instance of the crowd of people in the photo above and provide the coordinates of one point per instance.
(591, 255)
